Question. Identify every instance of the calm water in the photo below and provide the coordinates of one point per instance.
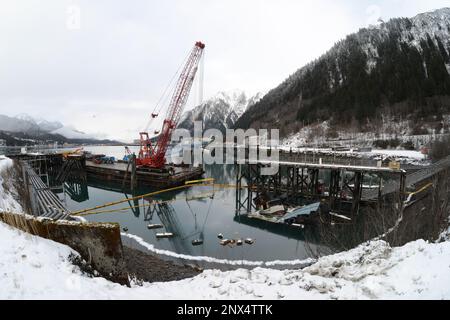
(197, 213)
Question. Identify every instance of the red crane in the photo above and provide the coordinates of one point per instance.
(153, 155)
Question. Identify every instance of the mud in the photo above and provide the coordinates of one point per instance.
(149, 268)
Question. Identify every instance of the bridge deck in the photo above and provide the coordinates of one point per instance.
(327, 166)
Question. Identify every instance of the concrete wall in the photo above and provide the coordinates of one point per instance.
(97, 243)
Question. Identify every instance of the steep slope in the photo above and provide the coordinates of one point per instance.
(400, 67)
(220, 112)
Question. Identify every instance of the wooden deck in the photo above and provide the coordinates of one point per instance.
(116, 173)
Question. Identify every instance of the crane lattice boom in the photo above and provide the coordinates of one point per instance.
(154, 155)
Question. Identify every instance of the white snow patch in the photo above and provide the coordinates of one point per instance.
(7, 200)
(36, 268)
(410, 154)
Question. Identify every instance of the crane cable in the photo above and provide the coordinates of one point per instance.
(158, 107)
(195, 217)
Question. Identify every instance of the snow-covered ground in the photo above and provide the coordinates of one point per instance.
(7, 201)
(36, 268)
(315, 136)
(406, 154)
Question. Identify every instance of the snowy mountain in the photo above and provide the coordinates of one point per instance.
(71, 133)
(399, 67)
(26, 123)
(219, 112)
(17, 124)
(24, 129)
(32, 125)
(49, 126)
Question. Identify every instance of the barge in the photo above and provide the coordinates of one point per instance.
(170, 176)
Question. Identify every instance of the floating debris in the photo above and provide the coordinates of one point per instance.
(155, 226)
(239, 242)
(340, 216)
(220, 236)
(225, 242)
(164, 235)
(125, 229)
(195, 267)
(249, 241)
(197, 242)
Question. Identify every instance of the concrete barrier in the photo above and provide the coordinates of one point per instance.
(99, 244)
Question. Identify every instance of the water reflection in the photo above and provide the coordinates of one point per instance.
(77, 190)
(195, 215)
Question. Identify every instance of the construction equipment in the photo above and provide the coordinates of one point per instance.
(153, 155)
(101, 159)
(127, 155)
(78, 151)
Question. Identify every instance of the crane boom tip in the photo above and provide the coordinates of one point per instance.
(200, 44)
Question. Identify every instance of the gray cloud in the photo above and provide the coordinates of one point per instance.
(105, 76)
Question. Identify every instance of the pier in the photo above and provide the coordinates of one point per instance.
(342, 188)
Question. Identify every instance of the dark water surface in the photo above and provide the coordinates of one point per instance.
(196, 213)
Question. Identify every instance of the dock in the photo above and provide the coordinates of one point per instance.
(344, 188)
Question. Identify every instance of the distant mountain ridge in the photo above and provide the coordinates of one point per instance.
(25, 130)
(401, 66)
(219, 112)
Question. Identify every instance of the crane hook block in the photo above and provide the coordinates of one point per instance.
(154, 115)
(199, 44)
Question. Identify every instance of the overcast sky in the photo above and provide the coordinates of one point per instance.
(101, 65)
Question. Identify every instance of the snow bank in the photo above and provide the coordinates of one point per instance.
(241, 263)
(416, 155)
(7, 200)
(36, 268)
